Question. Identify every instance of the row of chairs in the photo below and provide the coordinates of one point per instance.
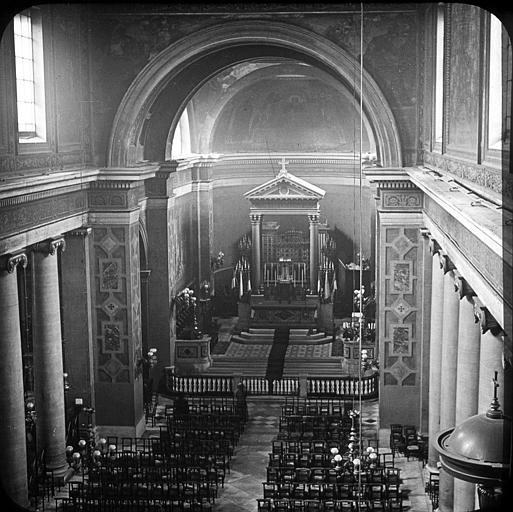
(192, 491)
(181, 469)
(330, 491)
(212, 420)
(120, 505)
(376, 475)
(307, 446)
(155, 474)
(298, 505)
(303, 405)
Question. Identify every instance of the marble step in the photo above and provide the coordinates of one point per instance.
(253, 330)
(249, 339)
(300, 332)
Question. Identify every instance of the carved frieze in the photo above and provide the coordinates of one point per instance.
(401, 200)
(471, 246)
(114, 195)
(20, 217)
(478, 174)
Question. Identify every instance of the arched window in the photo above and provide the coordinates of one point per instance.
(182, 137)
(30, 91)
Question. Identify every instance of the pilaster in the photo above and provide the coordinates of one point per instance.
(116, 306)
(161, 263)
(77, 316)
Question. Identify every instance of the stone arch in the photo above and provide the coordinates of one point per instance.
(135, 106)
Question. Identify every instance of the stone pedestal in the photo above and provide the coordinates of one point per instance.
(192, 357)
(13, 469)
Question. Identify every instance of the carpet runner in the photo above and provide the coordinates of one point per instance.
(276, 359)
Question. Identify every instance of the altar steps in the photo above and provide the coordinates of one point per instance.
(237, 366)
(293, 367)
(266, 336)
(313, 367)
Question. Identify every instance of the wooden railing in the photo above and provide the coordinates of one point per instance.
(344, 387)
(225, 385)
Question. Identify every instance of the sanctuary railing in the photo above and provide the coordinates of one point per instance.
(315, 387)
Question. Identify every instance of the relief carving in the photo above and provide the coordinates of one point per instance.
(409, 199)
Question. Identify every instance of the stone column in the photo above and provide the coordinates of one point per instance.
(490, 359)
(425, 330)
(48, 365)
(467, 390)
(77, 337)
(450, 316)
(13, 469)
(314, 248)
(256, 223)
(435, 351)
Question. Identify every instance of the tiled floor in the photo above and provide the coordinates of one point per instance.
(248, 467)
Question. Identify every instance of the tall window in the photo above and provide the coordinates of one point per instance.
(495, 118)
(182, 137)
(28, 49)
(439, 74)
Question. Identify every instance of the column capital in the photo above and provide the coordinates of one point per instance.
(255, 217)
(462, 287)
(434, 247)
(80, 232)
(313, 218)
(50, 246)
(446, 263)
(488, 323)
(425, 233)
(8, 262)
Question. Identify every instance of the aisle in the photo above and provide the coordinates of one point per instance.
(243, 485)
(276, 359)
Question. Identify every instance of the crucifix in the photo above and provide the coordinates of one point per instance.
(283, 162)
(494, 410)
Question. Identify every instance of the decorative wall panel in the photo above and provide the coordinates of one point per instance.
(115, 329)
(400, 304)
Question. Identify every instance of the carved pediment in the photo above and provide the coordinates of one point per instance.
(285, 186)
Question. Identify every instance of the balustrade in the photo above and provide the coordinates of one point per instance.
(257, 386)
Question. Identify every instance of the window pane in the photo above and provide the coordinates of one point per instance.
(495, 84)
(30, 114)
(439, 75)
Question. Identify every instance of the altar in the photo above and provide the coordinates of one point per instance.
(290, 258)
